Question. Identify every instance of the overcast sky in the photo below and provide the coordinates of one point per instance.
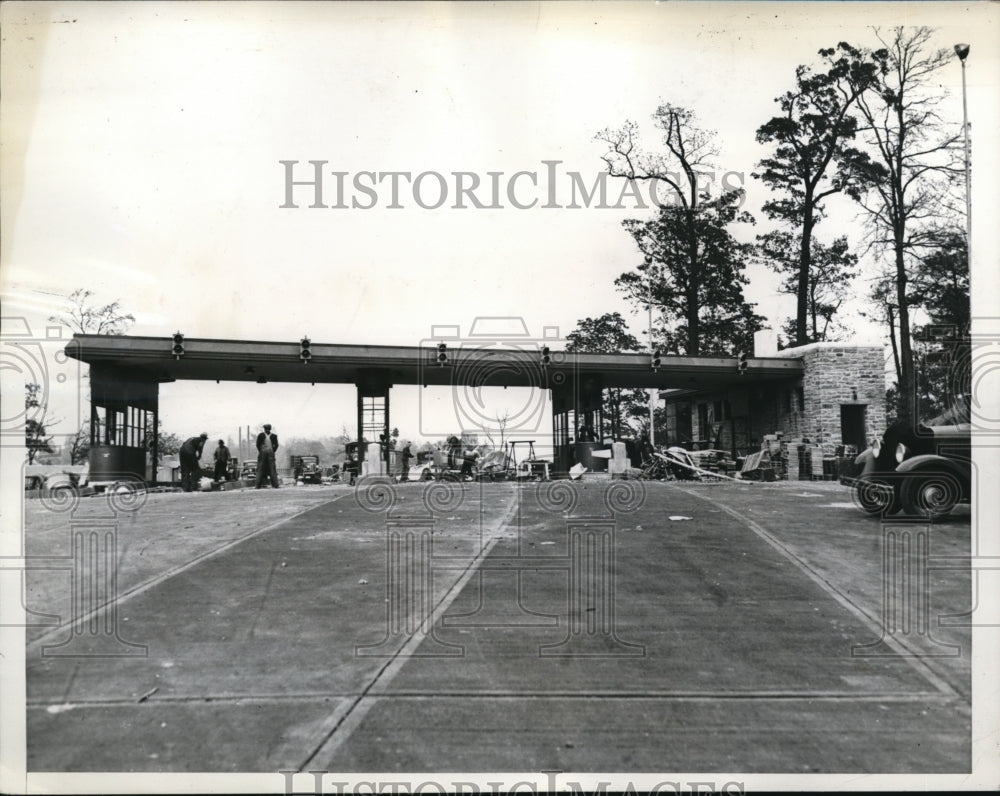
(142, 147)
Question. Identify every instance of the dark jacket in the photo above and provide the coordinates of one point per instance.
(192, 447)
(222, 454)
(274, 441)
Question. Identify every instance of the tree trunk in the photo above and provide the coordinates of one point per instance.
(805, 263)
(691, 293)
(906, 382)
(892, 341)
(812, 311)
(693, 324)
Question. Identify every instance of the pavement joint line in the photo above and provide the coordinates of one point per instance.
(263, 599)
(346, 721)
(697, 696)
(33, 646)
(904, 650)
(700, 696)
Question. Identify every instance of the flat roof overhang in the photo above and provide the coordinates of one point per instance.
(504, 364)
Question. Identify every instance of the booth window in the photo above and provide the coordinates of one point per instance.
(123, 426)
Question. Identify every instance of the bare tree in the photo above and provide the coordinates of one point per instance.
(79, 444)
(36, 439)
(693, 273)
(912, 174)
(688, 162)
(83, 317)
(501, 427)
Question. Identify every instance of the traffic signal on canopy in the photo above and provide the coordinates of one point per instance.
(305, 350)
(178, 348)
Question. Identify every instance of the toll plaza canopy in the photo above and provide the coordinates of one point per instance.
(504, 363)
(126, 373)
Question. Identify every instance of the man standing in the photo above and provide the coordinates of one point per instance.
(267, 447)
(190, 453)
(221, 461)
(405, 458)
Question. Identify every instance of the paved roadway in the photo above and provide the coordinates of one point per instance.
(689, 627)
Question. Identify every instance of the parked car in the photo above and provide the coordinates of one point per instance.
(307, 469)
(924, 471)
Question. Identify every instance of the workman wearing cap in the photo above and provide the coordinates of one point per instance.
(267, 447)
(190, 453)
(221, 462)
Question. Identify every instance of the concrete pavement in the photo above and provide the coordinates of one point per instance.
(526, 629)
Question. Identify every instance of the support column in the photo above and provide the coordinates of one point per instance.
(373, 421)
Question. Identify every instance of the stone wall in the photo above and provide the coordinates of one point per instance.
(809, 408)
(838, 374)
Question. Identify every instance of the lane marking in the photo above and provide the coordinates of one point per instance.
(347, 718)
(34, 646)
(902, 649)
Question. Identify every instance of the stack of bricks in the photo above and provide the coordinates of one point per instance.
(790, 456)
(810, 462)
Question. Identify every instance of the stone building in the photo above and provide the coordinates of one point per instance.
(839, 399)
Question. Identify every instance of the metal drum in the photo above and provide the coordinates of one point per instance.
(117, 463)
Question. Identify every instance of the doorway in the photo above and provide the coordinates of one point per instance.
(852, 425)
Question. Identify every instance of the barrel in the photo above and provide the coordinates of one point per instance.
(117, 463)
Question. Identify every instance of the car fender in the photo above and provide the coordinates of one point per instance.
(959, 469)
(933, 462)
(867, 462)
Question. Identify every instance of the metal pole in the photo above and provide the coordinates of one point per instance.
(962, 51)
(968, 173)
(652, 392)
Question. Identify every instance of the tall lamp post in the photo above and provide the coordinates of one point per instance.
(962, 51)
(652, 348)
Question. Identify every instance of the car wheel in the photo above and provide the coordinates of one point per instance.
(930, 494)
(876, 497)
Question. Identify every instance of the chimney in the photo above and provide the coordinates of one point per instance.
(765, 343)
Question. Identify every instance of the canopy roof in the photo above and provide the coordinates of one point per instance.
(512, 363)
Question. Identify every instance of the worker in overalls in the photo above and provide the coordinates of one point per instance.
(267, 448)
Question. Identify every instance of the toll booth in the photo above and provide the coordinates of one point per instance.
(124, 414)
(578, 423)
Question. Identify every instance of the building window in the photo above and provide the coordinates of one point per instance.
(800, 398)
